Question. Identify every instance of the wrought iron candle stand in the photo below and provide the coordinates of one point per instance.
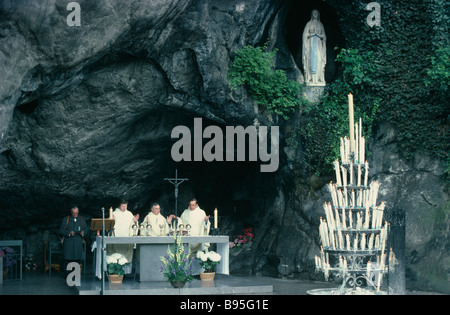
(352, 233)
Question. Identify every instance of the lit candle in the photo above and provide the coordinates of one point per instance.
(322, 236)
(341, 239)
(353, 198)
(362, 148)
(325, 230)
(344, 225)
(347, 238)
(363, 241)
(216, 213)
(350, 225)
(358, 183)
(338, 222)
(351, 122)
(366, 173)
(366, 218)
(332, 190)
(361, 159)
(341, 149)
(344, 176)
(351, 173)
(370, 241)
(338, 173)
(357, 143)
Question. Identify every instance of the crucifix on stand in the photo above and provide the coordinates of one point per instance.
(176, 182)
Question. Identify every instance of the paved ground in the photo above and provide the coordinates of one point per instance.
(36, 283)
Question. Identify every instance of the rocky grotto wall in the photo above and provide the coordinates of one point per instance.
(86, 115)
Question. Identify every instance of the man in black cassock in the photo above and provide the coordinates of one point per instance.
(73, 229)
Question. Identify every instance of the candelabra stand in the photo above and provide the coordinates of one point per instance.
(352, 232)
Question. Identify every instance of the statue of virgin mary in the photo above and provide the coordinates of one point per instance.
(314, 53)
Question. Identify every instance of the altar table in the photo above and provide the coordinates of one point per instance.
(149, 249)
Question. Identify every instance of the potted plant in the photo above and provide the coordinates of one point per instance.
(176, 266)
(209, 261)
(30, 263)
(115, 264)
(244, 240)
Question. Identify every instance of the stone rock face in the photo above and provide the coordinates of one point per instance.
(86, 115)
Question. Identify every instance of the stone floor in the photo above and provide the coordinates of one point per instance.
(37, 283)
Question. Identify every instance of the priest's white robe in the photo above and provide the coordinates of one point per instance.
(199, 227)
(155, 221)
(122, 227)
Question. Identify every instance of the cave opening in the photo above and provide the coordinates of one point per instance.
(238, 189)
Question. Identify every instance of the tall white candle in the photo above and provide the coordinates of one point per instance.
(338, 221)
(353, 198)
(325, 230)
(351, 122)
(341, 149)
(350, 224)
(366, 173)
(341, 239)
(363, 241)
(362, 149)
(351, 173)
(338, 173)
(216, 213)
(356, 143)
(361, 159)
(344, 175)
(344, 224)
(358, 183)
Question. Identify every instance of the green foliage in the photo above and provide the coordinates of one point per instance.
(398, 73)
(177, 263)
(254, 68)
(328, 121)
(439, 73)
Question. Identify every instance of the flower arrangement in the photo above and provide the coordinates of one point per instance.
(209, 260)
(8, 254)
(30, 263)
(115, 263)
(177, 263)
(246, 237)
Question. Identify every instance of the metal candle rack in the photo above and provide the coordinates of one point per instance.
(352, 233)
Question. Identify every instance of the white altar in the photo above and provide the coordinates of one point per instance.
(149, 249)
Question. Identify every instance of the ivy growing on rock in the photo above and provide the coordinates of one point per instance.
(398, 73)
(254, 68)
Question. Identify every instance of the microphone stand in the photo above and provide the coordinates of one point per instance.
(102, 252)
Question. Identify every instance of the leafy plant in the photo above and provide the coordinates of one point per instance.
(115, 264)
(438, 75)
(209, 260)
(177, 263)
(254, 68)
(328, 120)
(246, 237)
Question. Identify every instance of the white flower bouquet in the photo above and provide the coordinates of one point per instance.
(209, 260)
(115, 263)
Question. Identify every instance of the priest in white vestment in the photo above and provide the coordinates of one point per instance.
(199, 222)
(124, 221)
(157, 222)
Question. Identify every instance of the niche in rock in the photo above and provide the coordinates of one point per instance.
(299, 13)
